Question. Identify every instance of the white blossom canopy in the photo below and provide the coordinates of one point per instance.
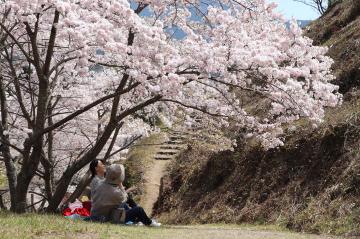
(228, 49)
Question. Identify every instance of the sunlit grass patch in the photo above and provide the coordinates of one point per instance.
(54, 226)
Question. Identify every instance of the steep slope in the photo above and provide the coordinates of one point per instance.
(310, 184)
(339, 29)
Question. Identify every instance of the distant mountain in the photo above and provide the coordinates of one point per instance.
(303, 23)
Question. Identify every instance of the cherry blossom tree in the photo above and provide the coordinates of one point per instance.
(78, 77)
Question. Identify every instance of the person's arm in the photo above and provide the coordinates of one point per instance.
(121, 186)
(121, 193)
(133, 188)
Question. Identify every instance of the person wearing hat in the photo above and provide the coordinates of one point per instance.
(110, 194)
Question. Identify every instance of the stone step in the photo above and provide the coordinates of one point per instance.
(185, 134)
(179, 133)
(177, 137)
(163, 157)
(174, 142)
(173, 146)
(168, 151)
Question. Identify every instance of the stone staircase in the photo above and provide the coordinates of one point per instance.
(171, 148)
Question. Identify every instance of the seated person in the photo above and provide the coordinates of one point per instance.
(110, 193)
(98, 170)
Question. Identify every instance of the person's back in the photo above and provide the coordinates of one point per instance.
(108, 197)
(107, 194)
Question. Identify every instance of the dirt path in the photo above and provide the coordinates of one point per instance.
(55, 226)
(152, 185)
(228, 232)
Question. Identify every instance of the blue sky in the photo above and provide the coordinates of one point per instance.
(299, 11)
(288, 8)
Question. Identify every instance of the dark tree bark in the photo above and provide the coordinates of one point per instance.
(31, 163)
(33, 152)
(2, 206)
(9, 163)
(93, 153)
(65, 180)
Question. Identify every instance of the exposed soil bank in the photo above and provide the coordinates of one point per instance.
(312, 184)
(339, 29)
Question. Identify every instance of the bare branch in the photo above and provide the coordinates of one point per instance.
(318, 5)
(124, 147)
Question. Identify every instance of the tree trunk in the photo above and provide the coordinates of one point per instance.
(11, 176)
(48, 164)
(84, 182)
(31, 163)
(78, 165)
(47, 176)
(9, 163)
(93, 153)
(2, 206)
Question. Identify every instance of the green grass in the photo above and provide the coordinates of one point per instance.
(51, 226)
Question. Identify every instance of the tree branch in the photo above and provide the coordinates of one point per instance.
(50, 50)
(124, 147)
(138, 107)
(88, 107)
(117, 130)
(16, 42)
